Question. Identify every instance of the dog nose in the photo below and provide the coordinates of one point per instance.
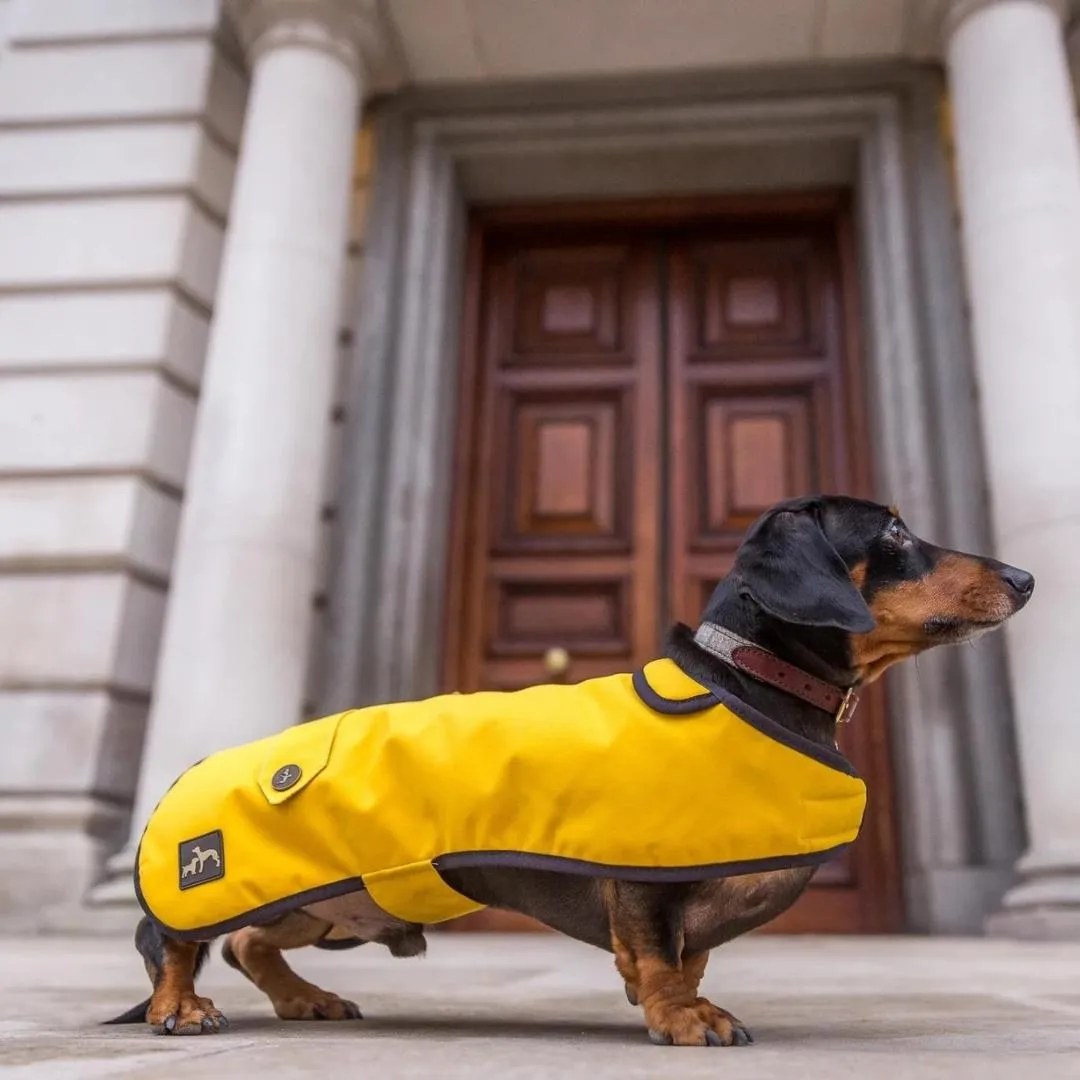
(1020, 581)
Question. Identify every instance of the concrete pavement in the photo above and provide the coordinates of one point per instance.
(528, 1007)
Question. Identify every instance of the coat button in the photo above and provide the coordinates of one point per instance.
(285, 778)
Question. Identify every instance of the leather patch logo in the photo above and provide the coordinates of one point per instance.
(202, 859)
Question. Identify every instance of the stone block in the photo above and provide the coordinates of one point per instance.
(200, 260)
(115, 159)
(226, 100)
(36, 23)
(129, 241)
(81, 422)
(153, 326)
(71, 742)
(85, 521)
(79, 629)
(72, 83)
(51, 851)
(215, 170)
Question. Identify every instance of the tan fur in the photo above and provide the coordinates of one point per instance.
(958, 587)
(174, 1001)
(669, 999)
(667, 992)
(257, 949)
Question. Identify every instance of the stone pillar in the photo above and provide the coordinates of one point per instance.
(1018, 160)
(234, 649)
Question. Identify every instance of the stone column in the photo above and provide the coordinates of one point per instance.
(1018, 160)
(234, 649)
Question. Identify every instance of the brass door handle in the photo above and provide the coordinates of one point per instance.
(556, 661)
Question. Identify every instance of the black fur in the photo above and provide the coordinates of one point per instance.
(789, 568)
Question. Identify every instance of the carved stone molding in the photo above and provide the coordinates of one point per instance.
(960, 10)
(352, 31)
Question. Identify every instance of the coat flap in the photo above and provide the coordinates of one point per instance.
(296, 757)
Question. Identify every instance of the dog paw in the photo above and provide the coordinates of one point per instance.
(699, 1024)
(317, 1004)
(189, 1014)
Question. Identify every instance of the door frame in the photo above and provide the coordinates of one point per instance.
(951, 721)
(831, 207)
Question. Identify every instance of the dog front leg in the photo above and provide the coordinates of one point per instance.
(693, 971)
(647, 940)
(175, 1008)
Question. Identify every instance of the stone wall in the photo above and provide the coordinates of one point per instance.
(119, 128)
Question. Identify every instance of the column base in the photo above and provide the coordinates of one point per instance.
(51, 850)
(117, 890)
(954, 900)
(1044, 907)
(82, 920)
(1036, 924)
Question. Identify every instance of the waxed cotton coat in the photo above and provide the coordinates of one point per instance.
(649, 776)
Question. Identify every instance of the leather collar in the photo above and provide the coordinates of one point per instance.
(767, 667)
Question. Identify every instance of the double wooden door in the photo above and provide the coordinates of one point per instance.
(634, 395)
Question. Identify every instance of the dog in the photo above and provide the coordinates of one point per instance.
(825, 594)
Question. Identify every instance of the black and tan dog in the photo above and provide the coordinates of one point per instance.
(828, 592)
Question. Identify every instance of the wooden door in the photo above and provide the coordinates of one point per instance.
(634, 396)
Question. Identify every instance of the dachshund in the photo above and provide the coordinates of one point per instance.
(830, 590)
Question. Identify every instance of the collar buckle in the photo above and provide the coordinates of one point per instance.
(848, 704)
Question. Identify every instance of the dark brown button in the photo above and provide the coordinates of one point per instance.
(285, 778)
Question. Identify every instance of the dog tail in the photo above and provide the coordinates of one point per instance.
(135, 1015)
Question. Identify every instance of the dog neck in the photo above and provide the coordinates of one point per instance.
(769, 668)
(770, 647)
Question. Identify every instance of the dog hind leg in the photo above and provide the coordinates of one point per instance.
(255, 951)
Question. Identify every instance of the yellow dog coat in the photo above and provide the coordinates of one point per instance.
(649, 777)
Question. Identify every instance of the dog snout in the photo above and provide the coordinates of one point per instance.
(1020, 581)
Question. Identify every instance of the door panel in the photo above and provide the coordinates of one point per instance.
(565, 476)
(639, 396)
(564, 534)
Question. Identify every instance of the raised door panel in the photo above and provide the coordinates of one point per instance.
(565, 478)
(569, 306)
(755, 299)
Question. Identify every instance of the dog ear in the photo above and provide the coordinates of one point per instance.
(790, 569)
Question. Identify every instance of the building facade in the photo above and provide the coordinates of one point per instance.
(353, 350)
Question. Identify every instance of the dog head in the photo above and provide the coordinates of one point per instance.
(854, 567)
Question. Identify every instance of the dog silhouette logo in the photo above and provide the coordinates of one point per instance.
(202, 859)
